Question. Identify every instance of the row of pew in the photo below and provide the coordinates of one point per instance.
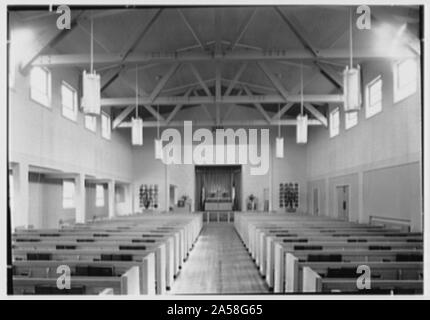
(307, 254)
(132, 255)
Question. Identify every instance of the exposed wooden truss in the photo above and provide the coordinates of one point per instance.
(57, 60)
(269, 98)
(225, 123)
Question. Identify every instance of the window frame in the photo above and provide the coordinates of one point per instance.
(369, 108)
(105, 135)
(400, 94)
(37, 96)
(71, 114)
(89, 127)
(332, 112)
(348, 124)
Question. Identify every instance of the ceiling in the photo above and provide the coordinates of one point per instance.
(130, 33)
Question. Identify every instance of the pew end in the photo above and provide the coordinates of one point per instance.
(312, 281)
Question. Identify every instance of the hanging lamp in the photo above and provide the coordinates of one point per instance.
(279, 139)
(136, 122)
(302, 119)
(351, 80)
(158, 145)
(91, 99)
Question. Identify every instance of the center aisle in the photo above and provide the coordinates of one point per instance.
(219, 264)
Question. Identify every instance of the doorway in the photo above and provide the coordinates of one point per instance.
(342, 193)
(316, 206)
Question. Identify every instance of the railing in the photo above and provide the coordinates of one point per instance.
(218, 216)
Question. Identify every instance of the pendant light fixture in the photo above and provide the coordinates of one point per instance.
(279, 139)
(137, 123)
(91, 99)
(158, 145)
(302, 119)
(351, 79)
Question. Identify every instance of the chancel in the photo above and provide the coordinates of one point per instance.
(215, 150)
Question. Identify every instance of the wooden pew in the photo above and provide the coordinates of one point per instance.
(174, 255)
(96, 255)
(314, 283)
(126, 284)
(122, 230)
(173, 237)
(101, 245)
(47, 268)
(379, 271)
(261, 247)
(280, 248)
(267, 242)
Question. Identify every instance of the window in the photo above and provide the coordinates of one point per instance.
(40, 86)
(100, 195)
(334, 122)
(91, 123)
(351, 119)
(68, 194)
(374, 97)
(405, 79)
(106, 126)
(69, 101)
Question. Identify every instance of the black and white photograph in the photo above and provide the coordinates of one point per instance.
(192, 150)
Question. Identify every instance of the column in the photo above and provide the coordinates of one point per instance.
(129, 198)
(20, 214)
(167, 191)
(80, 202)
(111, 199)
(361, 217)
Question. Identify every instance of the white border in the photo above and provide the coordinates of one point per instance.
(3, 161)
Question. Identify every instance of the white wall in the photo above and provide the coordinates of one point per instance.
(390, 139)
(43, 137)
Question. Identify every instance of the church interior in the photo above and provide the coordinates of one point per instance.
(215, 150)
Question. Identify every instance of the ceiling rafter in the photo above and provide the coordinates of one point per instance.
(199, 79)
(294, 90)
(61, 60)
(193, 32)
(274, 79)
(227, 123)
(243, 28)
(318, 115)
(258, 106)
(132, 44)
(205, 109)
(296, 28)
(147, 106)
(268, 98)
(177, 107)
(236, 77)
(48, 40)
(162, 82)
(121, 117)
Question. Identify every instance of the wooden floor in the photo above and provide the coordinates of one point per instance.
(219, 264)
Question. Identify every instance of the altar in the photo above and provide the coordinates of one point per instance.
(218, 204)
(218, 188)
